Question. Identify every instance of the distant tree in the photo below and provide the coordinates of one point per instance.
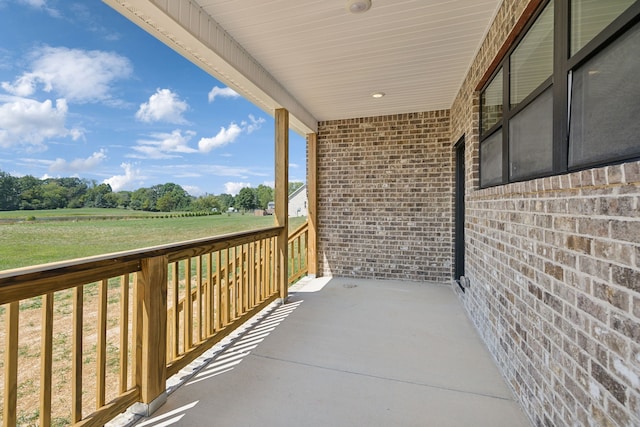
(30, 192)
(293, 186)
(75, 189)
(165, 203)
(124, 198)
(264, 194)
(143, 199)
(100, 196)
(9, 192)
(54, 196)
(171, 197)
(206, 203)
(226, 201)
(110, 200)
(246, 199)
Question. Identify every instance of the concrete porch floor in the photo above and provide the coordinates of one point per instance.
(347, 352)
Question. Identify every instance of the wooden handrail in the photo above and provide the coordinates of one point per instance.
(304, 227)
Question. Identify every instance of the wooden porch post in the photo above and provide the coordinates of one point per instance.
(151, 292)
(282, 199)
(312, 194)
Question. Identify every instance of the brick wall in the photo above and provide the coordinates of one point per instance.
(385, 201)
(554, 267)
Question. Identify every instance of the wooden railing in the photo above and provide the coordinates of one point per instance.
(298, 254)
(81, 338)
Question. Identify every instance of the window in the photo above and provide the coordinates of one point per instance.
(605, 104)
(532, 61)
(565, 95)
(589, 17)
(491, 160)
(491, 102)
(530, 138)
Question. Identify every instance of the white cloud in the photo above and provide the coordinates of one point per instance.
(164, 106)
(74, 74)
(225, 136)
(165, 145)
(271, 184)
(41, 4)
(230, 134)
(193, 190)
(254, 124)
(234, 188)
(78, 165)
(199, 170)
(121, 182)
(25, 122)
(224, 92)
(294, 165)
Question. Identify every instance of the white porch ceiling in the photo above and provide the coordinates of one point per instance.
(320, 61)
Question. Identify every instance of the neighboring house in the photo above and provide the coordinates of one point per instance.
(298, 202)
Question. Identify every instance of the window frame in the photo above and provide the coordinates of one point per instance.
(563, 64)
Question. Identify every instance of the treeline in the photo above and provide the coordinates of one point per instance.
(30, 193)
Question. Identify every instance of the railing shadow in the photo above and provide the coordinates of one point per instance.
(221, 359)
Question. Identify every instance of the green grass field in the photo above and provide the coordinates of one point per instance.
(79, 213)
(24, 243)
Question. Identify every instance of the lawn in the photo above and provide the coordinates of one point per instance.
(84, 232)
(65, 234)
(79, 213)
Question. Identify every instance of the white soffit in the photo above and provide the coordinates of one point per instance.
(318, 60)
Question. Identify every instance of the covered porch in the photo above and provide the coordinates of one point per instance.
(346, 352)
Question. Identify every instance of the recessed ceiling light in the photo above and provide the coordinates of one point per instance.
(378, 94)
(358, 6)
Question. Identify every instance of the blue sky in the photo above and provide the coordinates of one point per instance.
(85, 92)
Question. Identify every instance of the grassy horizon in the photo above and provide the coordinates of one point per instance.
(30, 243)
(80, 212)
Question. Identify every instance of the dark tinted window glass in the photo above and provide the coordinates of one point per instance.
(491, 160)
(491, 101)
(589, 17)
(605, 105)
(531, 138)
(532, 61)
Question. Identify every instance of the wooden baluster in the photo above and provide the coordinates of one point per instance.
(239, 280)
(187, 307)
(46, 359)
(225, 291)
(245, 278)
(101, 359)
(252, 274)
(276, 263)
(124, 333)
(170, 334)
(199, 296)
(137, 330)
(233, 288)
(305, 252)
(12, 322)
(209, 295)
(218, 292)
(175, 345)
(77, 347)
(292, 256)
(299, 253)
(262, 271)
